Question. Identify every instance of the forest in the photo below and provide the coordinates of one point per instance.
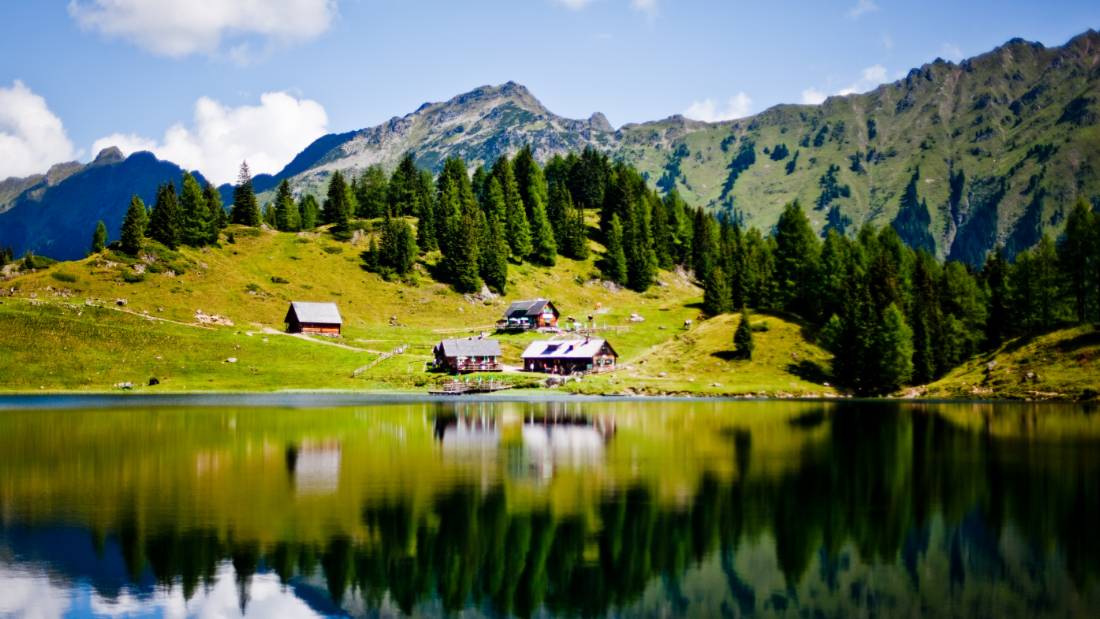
(892, 315)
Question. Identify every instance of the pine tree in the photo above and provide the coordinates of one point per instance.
(716, 292)
(308, 212)
(371, 193)
(515, 214)
(614, 260)
(398, 248)
(742, 336)
(641, 260)
(133, 227)
(195, 220)
(99, 237)
(573, 230)
(287, 218)
(1079, 257)
(494, 247)
(218, 218)
(337, 202)
(892, 352)
(246, 210)
(704, 244)
(796, 254)
(164, 222)
(459, 211)
(372, 260)
(545, 249)
(403, 188)
(925, 318)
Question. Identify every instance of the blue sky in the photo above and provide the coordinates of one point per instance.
(136, 70)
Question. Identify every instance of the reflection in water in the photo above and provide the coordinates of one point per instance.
(703, 508)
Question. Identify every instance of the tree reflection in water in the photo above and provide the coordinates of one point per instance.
(834, 508)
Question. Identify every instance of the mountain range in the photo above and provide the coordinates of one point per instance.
(958, 157)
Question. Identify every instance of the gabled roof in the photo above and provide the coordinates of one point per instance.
(566, 349)
(324, 313)
(530, 308)
(471, 347)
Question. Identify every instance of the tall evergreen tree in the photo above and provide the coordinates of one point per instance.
(246, 210)
(99, 237)
(427, 226)
(716, 292)
(705, 244)
(516, 226)
(1079, 253)
(641, 260)
(545, 249)
(796, 254)
(308, 211)
(195, 222)
(270, 216)
(742, 336)
(372, 193)
(614, 260)
(892, 351)
(133, 227)
(338, 203)
(164, 222)
(217, 217)
(287, 217)
(494, 247)
(998, 325)
(463, 227)
(397, 252)
(925, 318)
(402, 190)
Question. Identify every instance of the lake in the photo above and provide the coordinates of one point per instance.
(328, 505)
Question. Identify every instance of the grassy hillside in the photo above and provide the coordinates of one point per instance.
(90, 324)
(1064, 364)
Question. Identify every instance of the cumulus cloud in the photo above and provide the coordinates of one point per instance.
(178, 28)
(737, 106)
(861, 8)
(32, 138)
(221, 137)
(813, 96)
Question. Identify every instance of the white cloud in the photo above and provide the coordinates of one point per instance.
(178, 28)
(861, 8)
(952, 52)
(32, 138)
(737, 106)
(813, 96)
(220, 137)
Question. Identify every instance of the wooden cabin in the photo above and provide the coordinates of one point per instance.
(317, 318)
(530, 314)
(472, 354)
(570, 356)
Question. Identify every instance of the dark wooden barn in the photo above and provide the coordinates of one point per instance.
(318, 318)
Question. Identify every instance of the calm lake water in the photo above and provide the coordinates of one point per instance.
(574, 508)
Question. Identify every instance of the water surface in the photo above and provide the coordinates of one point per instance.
(574, 508)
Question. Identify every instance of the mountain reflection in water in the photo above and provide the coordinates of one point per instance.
(561, 508)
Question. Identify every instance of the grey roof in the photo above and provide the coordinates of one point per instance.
(566, 349)
(471, 347)
(530, 307)
(325, 313)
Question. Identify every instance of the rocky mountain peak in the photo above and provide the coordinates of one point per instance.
(111, 154)
(600, 122)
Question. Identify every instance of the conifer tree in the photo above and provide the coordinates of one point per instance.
(641, 261)
(133, 227)
(287, 218)
(661, 232)
(796, 254)
(1079, 254)
(398, 247)
(460, 211)
(308, 211)
(742, 336)
(164, 222)
(371, 257)
(545, 249)
(494, 247)
(515, 214)
(892, 351)
(218, 218)
(402, 190)
(925, 318)
(614, 260)
(574, 234)
(338, 205)
(995, 276)
(704, 244)
(99, 237)
(427, 226)
(716, 292)
(371, 193)
(269, 215)
(194, 213)
(246, 210)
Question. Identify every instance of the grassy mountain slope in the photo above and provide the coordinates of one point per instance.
(1064, 364)
(66, 330)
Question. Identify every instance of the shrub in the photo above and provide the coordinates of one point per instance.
(332, 249)
(132, 277)
(275, 279)
(62, 276)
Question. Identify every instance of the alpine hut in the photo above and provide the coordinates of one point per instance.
(320, 318)
(569, 356)
(472, 354)
(530, 314)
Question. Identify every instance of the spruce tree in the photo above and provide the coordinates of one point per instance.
(716, 292)
(1079, 254)
(574, 232)
(246, 210)
(195, 220)
(269, 216)
(614, 260)
(742, 336)
(796, 254)
(218, 218)
(998, 324)
(164, 222)
(402, 189)
(308, 211)
(494, 247)
(515, 214)
(287, 218)
(133, 227)
(371, 193)
(641, 260)
(545, 249)
(398, 247)
(427, 226)
(337, 202)
(460, 211)
(99, 237)
(704, 243)
(892, 352)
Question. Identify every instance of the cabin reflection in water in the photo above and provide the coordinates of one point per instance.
(314, 466)
(533, 445)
